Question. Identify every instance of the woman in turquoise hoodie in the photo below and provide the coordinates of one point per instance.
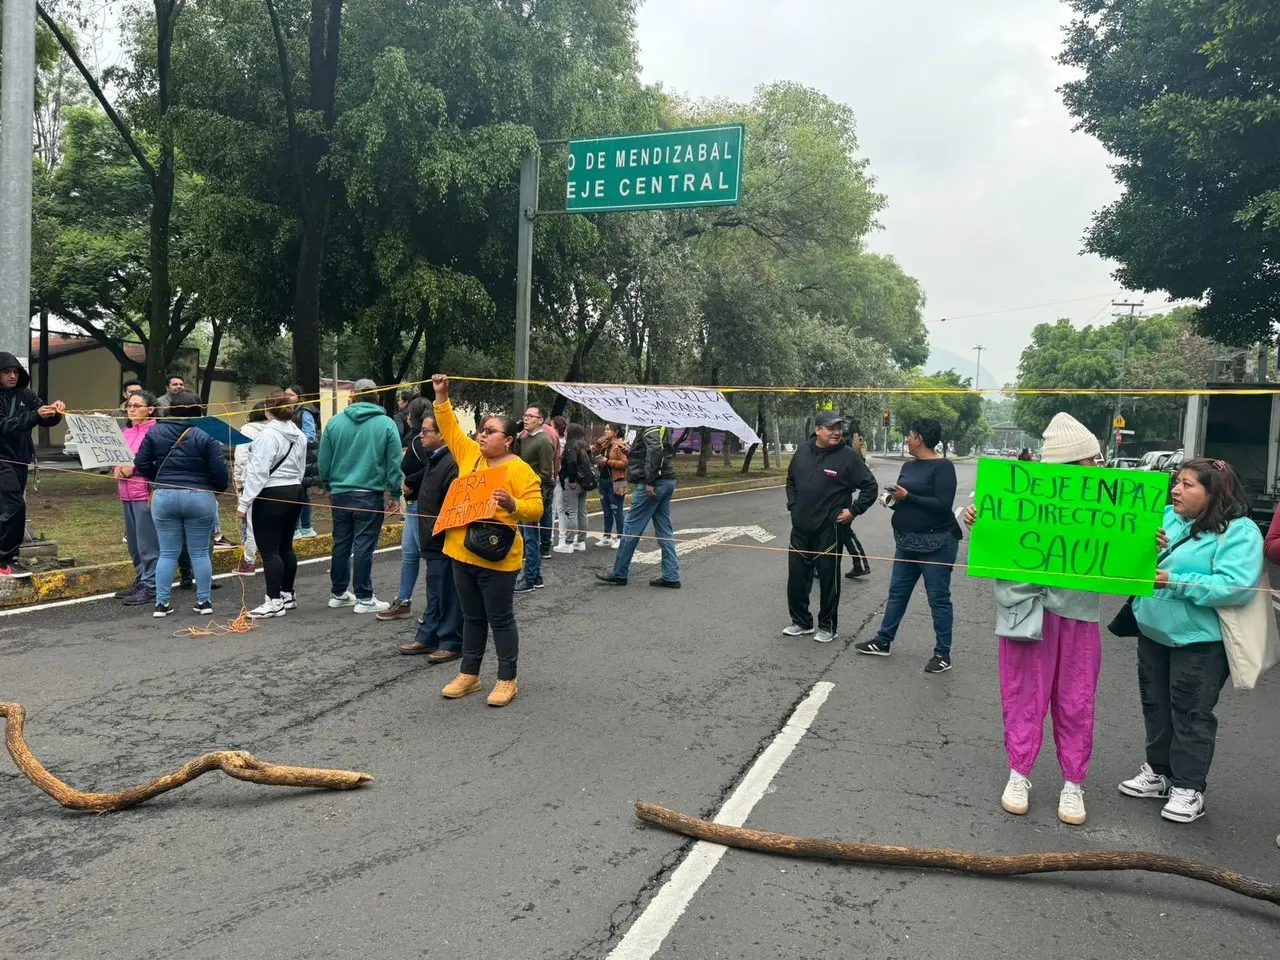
(1211, 557)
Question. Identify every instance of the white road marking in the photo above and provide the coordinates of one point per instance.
(664, 910)
(54, 605)
(710, 536)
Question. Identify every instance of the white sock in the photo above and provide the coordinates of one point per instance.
(1015, 775)
(1068, 785)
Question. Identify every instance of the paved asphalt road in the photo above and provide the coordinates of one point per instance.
(510, 833)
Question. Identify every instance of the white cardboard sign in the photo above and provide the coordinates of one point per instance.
(659, 407)
(99, 442)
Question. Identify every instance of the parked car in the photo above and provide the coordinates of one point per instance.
(1124, 463)
(1154, 459)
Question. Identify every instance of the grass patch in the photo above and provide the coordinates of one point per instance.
(81, 510)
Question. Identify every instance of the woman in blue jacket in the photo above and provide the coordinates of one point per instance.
(1211, 557)
(187, 467)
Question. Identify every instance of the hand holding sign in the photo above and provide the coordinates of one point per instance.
(477, 496)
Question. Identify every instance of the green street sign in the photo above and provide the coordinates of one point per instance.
(695, 167)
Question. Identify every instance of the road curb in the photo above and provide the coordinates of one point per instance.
(76, 582)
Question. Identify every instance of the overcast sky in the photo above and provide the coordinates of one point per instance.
(989, 189)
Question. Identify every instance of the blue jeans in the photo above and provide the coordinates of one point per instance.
(410, 553)
(357, 524)
(643, 509)
(936, 569)
(612, 504)
(546, 532)
(144, 543)
(532, 536)
(180, 514)
(442, 626)
(304, 520)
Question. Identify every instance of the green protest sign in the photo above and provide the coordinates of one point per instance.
(1086, 528)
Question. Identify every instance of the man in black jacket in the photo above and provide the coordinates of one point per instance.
(440, 634)
(822, 479)
(21, 411)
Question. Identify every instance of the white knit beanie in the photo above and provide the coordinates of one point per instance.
(1067, 440)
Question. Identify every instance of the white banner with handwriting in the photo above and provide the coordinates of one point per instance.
(659, 407)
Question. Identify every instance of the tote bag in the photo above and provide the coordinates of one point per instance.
(1249, 636)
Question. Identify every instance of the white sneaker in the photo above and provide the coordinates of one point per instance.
(337, 601)
(605, 541)
(372, 605)
(271, 608)
(562, 548)
(1071, 804)
(1016, 797)
(1147, 783)
(1184, 806)
(290, 603)
(617, 542)
(580, 546)
(825, 636)
(795, 630)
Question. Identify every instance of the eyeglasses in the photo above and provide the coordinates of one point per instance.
(137, 405)
(487, 431)
(426, 430)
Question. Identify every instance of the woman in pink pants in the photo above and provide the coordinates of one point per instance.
(1050, 657)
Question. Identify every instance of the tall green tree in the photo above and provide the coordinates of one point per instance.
(1183, 93)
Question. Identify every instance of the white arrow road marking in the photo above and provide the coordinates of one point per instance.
(706, 537)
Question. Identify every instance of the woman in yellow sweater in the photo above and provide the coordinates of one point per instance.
(486, 588)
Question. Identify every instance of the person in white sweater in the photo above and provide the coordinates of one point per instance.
(248, 565)
(274, 495)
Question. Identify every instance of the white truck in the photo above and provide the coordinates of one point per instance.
(1243, 430)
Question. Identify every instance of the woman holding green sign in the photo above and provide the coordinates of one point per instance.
(1050, 657)
(1211, 558)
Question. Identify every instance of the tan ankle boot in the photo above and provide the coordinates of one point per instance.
(503, 693)
(461, 685)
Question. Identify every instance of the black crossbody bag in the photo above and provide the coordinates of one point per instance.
(1124, 623)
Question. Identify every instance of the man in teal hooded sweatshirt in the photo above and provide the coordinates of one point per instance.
(360, 457)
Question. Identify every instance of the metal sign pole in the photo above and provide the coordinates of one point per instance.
(529, 169)
(17, 106)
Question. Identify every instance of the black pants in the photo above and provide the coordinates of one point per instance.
(13, 510)
(821, 555)
(853, 545)
(1179, 688)
(275, 518)
(488, 600)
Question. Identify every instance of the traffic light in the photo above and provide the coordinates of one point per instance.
(885, 417)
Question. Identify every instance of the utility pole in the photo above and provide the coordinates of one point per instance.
(529, 169)
(1124, 360)
(17, 106)
(977, 367)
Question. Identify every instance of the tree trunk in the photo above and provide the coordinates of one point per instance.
(306, 306)
(762, 427)
(746, 461)
(704, 454)
(206, 382)
(777, 428)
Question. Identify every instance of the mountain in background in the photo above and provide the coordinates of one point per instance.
(940, 359)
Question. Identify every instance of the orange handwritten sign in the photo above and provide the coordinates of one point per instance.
(470, 498)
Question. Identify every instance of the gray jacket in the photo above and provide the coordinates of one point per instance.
(1020, 608)
(281, 446)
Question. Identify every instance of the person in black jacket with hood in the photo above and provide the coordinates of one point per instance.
(440, 634)
(822, 479)
(20, 412)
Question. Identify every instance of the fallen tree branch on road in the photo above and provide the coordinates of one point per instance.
(234, 763)
(973, 863)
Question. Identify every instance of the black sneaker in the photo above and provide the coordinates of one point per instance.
(186, 585)
(524, 586)
(872, 648)
(128, 591)
(612, 580)
(204, 609)
(162, 610)
(140, 598)
(937, 665)
(538, 584)
(546, 553)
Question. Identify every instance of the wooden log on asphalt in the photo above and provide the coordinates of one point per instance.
(957, 860)
(234, 763)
